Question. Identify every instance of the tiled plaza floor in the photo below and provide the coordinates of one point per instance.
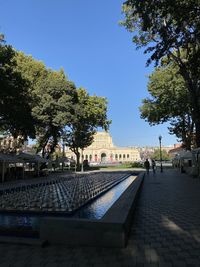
(165, 232)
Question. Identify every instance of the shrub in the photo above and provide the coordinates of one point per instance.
(137, 165)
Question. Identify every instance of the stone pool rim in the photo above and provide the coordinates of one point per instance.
(111, 230)
(41, 213)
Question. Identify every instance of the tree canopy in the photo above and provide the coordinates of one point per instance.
(89, 113)
(169, 101)
(156, 155)
(170, 29)
(164, 26)
(53, 111)
(15, 110)
(52, 99)
(41, 103)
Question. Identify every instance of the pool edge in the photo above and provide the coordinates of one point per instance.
(110, 231)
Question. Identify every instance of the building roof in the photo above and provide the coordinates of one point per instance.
(31, 158)
(9, 158)
(176, 149)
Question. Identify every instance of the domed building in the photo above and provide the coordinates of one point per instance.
(103, 150)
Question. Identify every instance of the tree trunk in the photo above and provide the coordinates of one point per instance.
(195, 107)
(77, 153)
(197, 132)
(196, 116)
(44, 146)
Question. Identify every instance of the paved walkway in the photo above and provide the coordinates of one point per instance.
(165, 232)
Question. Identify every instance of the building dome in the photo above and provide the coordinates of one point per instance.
(102, 140)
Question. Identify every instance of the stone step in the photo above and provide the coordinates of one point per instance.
(23, 241)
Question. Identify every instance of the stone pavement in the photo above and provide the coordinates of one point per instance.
(165, 232)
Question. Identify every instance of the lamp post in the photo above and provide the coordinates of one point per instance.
(161, 167)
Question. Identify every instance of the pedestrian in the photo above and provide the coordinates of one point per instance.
(147, 166)
(153, 164)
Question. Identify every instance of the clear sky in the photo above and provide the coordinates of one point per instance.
(84, 37)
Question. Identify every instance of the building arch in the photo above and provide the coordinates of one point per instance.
(103, 144)
(103, 157)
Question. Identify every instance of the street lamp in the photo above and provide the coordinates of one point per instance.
(161, 167)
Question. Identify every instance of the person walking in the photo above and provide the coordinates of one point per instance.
(147, 166)
(153, 164)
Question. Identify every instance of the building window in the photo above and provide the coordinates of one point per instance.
(127, 156)
(120, 156)
(124, 156)
(90, 157)
(116, 156)
(86, 156)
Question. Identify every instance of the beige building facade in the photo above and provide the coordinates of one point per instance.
(103, 150)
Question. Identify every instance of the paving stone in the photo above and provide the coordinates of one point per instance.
(164, 232)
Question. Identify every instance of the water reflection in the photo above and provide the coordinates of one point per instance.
(94, 210)
(13, 221)
(97, 208)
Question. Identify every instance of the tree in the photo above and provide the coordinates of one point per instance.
(170, 29)
(156, 155)
(89, 113)
(56, 97)
(52, 99)
(183, 128)
(15, 111)
(169, 102)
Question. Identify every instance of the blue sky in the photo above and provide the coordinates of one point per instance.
(84, 37)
